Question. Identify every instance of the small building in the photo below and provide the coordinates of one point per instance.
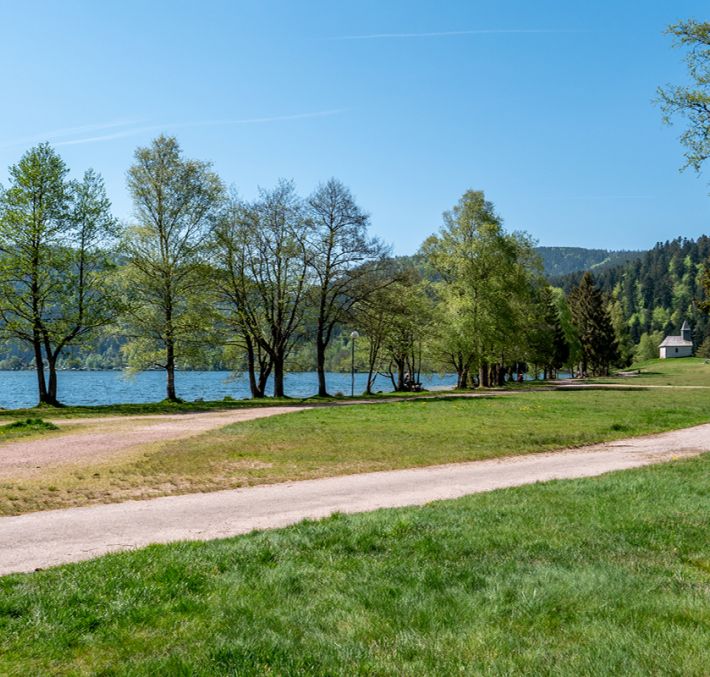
(677, 346)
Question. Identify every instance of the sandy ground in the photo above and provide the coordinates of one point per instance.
(96, 439)
(44, 539)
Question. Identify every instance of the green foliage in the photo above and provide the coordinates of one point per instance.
(547, 343)
(647, 348)
(25, 427)
(704, 349)
(692, 103)
(53, 265)
(598, 342)
(486, 281)
(396, 322)
(165, 280)
(263, 261)
(658, 292)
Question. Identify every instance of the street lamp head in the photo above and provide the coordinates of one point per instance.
(354, 335)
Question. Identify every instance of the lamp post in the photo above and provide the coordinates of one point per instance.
(353, 336)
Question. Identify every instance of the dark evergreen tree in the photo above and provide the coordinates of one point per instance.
(548, 347)
(593, 323)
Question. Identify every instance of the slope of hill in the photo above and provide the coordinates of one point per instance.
(655, 292)
(564, 260)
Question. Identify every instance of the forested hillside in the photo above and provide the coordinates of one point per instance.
(564, 260)
(652, 295)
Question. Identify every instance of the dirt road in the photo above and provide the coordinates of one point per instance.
(48, 538)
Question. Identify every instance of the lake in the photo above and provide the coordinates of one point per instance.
(18, 389)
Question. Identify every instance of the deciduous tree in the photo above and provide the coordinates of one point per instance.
(691, 102)
(485, 276)
(347, 264)
(165, 279)
(53, 263)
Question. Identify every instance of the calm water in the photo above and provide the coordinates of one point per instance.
(19, 388)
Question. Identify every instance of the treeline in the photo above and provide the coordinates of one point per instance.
(201, 276)
(651, 296)
(559, 261)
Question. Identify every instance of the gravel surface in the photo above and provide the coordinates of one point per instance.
(44, 539)
(95, 439)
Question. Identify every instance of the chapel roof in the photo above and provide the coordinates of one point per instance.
(675, 342)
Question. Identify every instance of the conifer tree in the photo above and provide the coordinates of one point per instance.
(547, 343)
(593, 323)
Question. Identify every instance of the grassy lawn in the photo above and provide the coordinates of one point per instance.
(589, 577)
(685, 371)
(341, 440)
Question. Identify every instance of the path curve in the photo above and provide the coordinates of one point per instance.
(27, 458)
(101, 438)
(44, 539)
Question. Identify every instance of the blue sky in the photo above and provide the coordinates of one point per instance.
(545, 106)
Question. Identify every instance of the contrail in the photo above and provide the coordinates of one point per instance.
(199, 123)
(67, 131)
(444, 34)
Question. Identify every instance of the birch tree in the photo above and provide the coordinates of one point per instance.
(165, 279)
(53, 262)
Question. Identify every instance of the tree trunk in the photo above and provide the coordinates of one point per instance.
(279, 376)
(170, 370)
(264, 372)
(52, 381)
(39, 368)
(251, 369)
(400, 374)
(320, 364)
(483, 375)
(373, 354)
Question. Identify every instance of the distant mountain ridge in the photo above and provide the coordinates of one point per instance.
(565, 260)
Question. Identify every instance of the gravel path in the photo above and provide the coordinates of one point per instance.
(95, 439)
(54, 537)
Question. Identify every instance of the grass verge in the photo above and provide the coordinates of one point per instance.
(148, 408)
(588, 577)
(27, 427)
(342, 440)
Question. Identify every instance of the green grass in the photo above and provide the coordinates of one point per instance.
(167, 407)
(148, 408)
(684, 371)
(27, 427)
(330, 441)
(590, 577)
